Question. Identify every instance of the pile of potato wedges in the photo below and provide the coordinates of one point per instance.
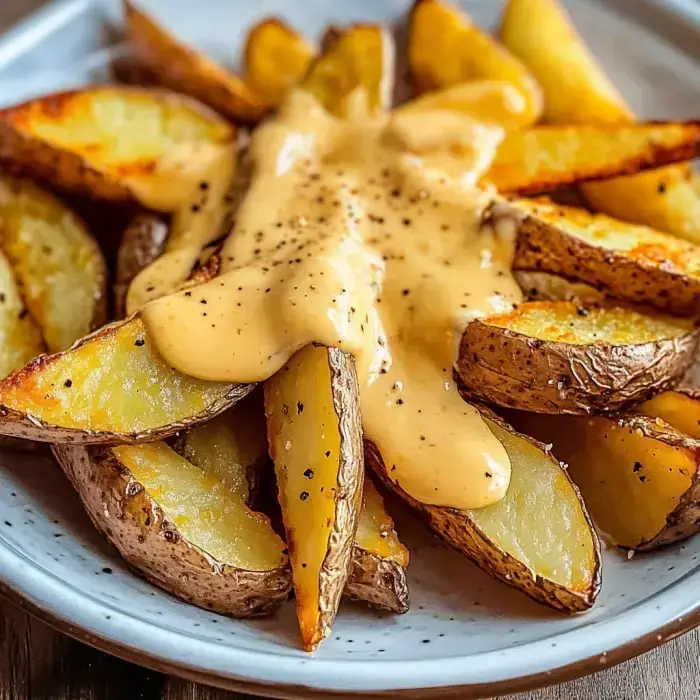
(200, 485)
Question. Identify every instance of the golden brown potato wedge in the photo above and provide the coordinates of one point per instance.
(630, 262)
(538, 539)
(315, 439)
(182, 69)
(180, 526)
(143, 243)
(564, 357)
(546, 157)
(488, 101)
(117, 143)
(679, 408)
(638, 475)
(57, 264)
(110, 387)
(361, 57)
(276, 58)
(445, 48)
(578, 92)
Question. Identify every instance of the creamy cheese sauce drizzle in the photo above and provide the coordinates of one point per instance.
(363, 234)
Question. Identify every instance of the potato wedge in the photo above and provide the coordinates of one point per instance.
(180, 527)
(578, 92)
(182, 69)
(276, 58)
(638, 476)
(538, 539)
(488, 101)
(361, 57)
(143, 243)
(110, 387)
(58, 265)
(122, 144)
(546, 157)
(564, 357)
(379, 559)
(630, 262)
(315, 439)
(445, 48)
(679, 408)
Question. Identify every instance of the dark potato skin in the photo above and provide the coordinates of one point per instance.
(149, 541)
(377, 581)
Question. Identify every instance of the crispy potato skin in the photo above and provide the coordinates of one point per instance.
(377, 581)
(142, 243)
(514, 370)
(149, 541)
(458, 530)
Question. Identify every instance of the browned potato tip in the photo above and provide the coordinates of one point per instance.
(564, 357)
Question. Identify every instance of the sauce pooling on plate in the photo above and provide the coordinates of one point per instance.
(362, 234)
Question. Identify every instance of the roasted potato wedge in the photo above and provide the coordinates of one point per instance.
(629, 262)
(110, 387)
(546, 157)
(143, 243)
(638, 475)
(180, 526)
(57, 264)
(276, 58)
(488, 101)
(445, 48)
(578, 92)
(358, 58)
(117, 143)
(564, 357)
(315, 439)
(538, 539)
(182, 69)
(679, 408)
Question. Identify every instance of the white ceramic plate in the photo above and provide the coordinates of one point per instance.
(465, 634)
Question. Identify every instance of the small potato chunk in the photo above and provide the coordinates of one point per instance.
(546, 157)
(637, 475)
(679, 408)
(276, 59)
(110, 387)
(564, 357)
(315, 438)
(446, 48)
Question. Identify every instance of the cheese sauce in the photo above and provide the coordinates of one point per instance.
(363, 234)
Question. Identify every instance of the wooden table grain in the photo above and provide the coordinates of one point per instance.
(37, 663)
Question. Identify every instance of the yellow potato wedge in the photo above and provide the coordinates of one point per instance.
(180, 526)
(627, 261)
(488, 101)
(122, 144)
(276, 58)
(110, 387)
(315, 439)
(57, 264)
(538, 539)
(577, 92)
(638, 475)
(546, 157)
(358, 58)
(446, 48)
(564, 357)
(182, 69)
(142, 243)
(679, 408)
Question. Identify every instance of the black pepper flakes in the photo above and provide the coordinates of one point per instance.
(309, 473)
(304, 495)
(68, 383)
(139, 342)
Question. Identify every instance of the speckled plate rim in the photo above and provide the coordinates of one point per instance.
(591, 647)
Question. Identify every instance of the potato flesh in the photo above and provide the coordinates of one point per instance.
(675, 408)
(304, 438)
(540, 522)
(229, 444)
(568, 322)
(203, 508)
(630, 482)
(58, 265)
(20, 337)
(375, 528)
(113, 382)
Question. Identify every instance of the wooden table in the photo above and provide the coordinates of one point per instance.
(37, 663)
